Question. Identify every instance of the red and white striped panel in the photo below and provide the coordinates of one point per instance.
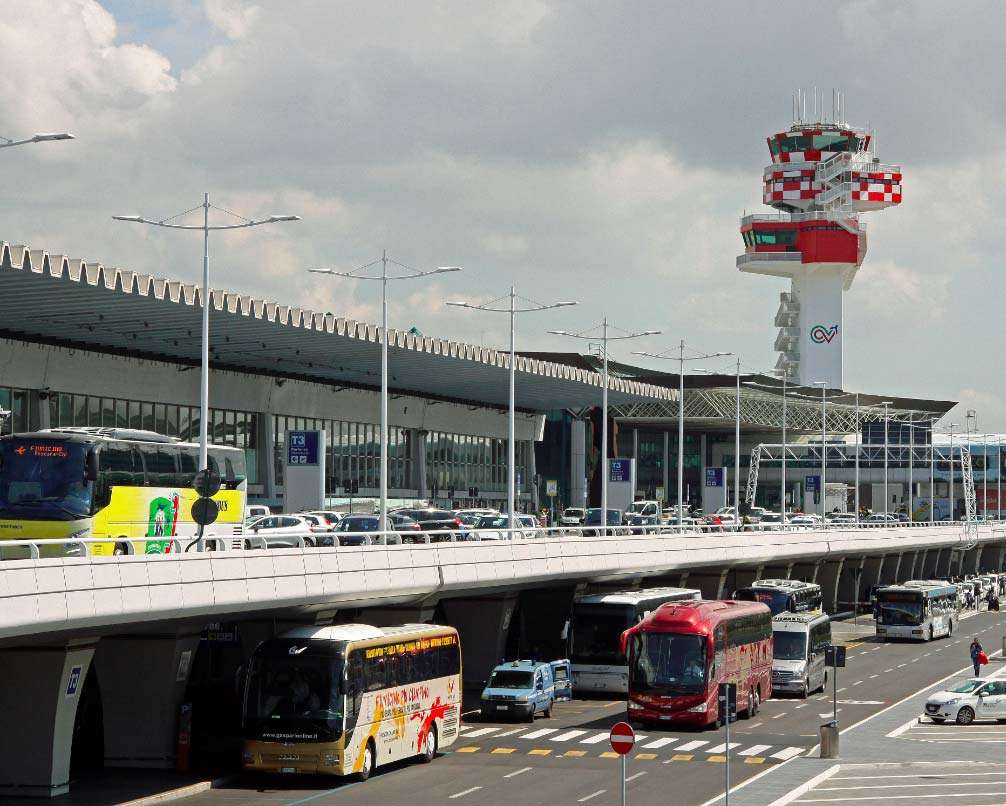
(890, 197)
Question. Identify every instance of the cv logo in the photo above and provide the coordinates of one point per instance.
(819, 334)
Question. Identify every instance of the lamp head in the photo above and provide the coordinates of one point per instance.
(273, 218)
(446, 269)
(42, 138)
(136, 219)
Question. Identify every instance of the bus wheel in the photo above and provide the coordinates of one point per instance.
(755, 701)
(120, 550)
(805, 693)
(930, 632)
(429, 746)
(368, 762)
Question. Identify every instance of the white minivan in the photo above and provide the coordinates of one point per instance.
(799, 641)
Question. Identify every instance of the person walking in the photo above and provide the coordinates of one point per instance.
(976, 651)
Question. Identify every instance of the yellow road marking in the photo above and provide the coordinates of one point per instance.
(717, 759)
(504, 750)
(468, 750)
(575, 753)
(610, 704)
(754, 760)
(646, 756)
(609, 754)
(540, 752)
(682, 757)
(853, 646)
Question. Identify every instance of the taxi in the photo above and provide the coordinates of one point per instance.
(973, 699)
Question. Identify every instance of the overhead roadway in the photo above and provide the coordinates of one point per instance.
(73, 303)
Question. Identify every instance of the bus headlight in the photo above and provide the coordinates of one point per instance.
(698, 709)
(635, 706)
(330, 759)
(248, 758)
(522, 698)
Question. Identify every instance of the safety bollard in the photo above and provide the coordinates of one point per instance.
(829, 740)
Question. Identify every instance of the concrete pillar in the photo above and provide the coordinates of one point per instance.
(711, 583)
(972, 561)
(267, 456)
(778, 571)
(578, 463)
(909, 563)
(683, 581)
(484, 626)
(994, 556)
(828, 576)
(930, 566)
(891, 569)
(417, 456)
(948, 563)
(38, 702)
(918, 562)
(742, 577)
(806, 572)
(142, 680)
(40, 401)
(852, 582)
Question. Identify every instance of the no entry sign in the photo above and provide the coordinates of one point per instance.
(622, 738)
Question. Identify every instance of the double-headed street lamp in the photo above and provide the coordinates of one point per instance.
(513, 310)
(681, 358)
(605, 338)
(384, 279)
(204, 378)
(782, 480)
(38, 138)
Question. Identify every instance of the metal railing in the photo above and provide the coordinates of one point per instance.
(60, 549)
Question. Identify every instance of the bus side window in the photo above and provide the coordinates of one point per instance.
(354, 688)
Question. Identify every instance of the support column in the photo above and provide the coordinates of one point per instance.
(919, 566)
(578, 463)
(417, 458)
(40, 401)
(778, 571)
(484, 626)
(267, 455)
(873, 569)
(972, 561)
(909, 561)
(806, 572)
(39, 705)
(890, 570)
(851, 583)
(828, 577)
(742, 577)
(712, 583)
(931, 567)
(142, 680)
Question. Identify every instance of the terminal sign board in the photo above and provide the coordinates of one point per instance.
(812, 483)
(619, 470)
(302, 448)
(714, 477)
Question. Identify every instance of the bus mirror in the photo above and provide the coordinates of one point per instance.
(564, 635)
(91, 467)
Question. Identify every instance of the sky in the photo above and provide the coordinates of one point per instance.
(591, 150)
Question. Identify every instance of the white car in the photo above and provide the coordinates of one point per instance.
(279, 530)
(255, 511)
(975, 698)
(572, 516)
(495, 527)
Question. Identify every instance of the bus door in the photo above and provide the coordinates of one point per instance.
(719, 669)
(818, 639)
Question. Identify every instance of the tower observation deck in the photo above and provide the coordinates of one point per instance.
(823, 176)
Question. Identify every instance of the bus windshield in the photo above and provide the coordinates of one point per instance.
(43, 480)
(789, 645)
(596, 632)
(668, 664)
(900, 609)
(295, 692)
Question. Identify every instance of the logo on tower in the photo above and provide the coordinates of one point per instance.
(819, 334)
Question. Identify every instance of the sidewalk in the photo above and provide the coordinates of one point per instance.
(126, 787)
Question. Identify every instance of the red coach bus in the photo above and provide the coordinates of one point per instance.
(682, 651)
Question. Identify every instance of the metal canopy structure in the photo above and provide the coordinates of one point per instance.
(55, 300)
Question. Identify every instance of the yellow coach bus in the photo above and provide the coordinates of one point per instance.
(343, 699)
(129, 486)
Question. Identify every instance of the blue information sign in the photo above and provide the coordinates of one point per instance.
(619, 470)
(812, 483)
(302, 448)
(714, 477)
(73, 682)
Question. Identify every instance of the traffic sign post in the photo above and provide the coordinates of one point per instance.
(727, 699)
(834, 656)
(622, 739)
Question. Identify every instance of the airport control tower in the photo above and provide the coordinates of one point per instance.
(822, 177)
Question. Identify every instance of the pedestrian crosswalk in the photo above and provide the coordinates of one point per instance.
(575, 737)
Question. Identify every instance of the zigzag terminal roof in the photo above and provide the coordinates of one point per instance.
(52, 299)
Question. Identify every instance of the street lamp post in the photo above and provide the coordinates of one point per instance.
(384, 278)
(859, 448)
(605, 338)
(38, 138)
(512, 310)
(887, 413)
(737, 451)
(204, 374)
(824, 448)
(932, 472)
(782, 479)
(681, 410)
(952, 512)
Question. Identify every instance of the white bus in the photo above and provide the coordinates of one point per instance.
(595, 629)
(922, 610)
(798, 644)
(342, 699)
(783, 595)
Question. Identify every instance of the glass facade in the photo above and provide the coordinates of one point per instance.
(462, 461)
(236, 428)
(22, 415)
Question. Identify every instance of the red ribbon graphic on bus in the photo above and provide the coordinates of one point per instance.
(819, 334)
(437, 711)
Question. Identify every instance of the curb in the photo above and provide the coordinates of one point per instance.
(183, 791)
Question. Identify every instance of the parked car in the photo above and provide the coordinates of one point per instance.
(331, 518)
(280, 531)
(441, 521)
(593, 518)
(572, 516)
(809, 521)
(353, 529)
(519, 689)
(255, 511)
(497, 527)
(407, 528)
(880, 517)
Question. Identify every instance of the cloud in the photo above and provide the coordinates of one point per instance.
(233, 18)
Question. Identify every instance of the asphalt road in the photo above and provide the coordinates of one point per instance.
(566, 759)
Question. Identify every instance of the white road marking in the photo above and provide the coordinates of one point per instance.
(829, 713)
(840, 691)
(858, 683)
(521, 771)
(596, 739)
(511, 732)
(569, 734)
(591, 796)
(904, 797)
(634, 777)
(802, 705)
(537, 734)
(755, 750)
(691, 746)
(888, 671)
(465, 792)
(480, 732)
(660, 743)
(755, 725)
(779, 716)
(788, 752)
(721, 748)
